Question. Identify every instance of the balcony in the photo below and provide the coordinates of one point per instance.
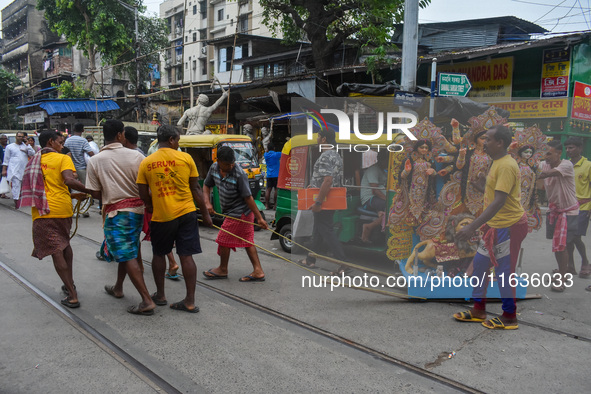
(10, 44)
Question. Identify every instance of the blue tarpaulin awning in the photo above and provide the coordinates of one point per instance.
(70, 106)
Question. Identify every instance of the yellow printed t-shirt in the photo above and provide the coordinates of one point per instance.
(504, 176)
(167, 173)
(583, 182)
(56, 191)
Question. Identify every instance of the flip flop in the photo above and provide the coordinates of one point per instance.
(180, 306)
(111, 291)
(69, 304)
(158, 302)
(210, 275)
(135, 310)
(173, 277)
(496, 324)
(467, 316)
(588, 288)
(250, 278)
(304, 263)
(558, 289)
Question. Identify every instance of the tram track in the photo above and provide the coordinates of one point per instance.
(158, 383)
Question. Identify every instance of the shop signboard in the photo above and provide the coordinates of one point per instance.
(532, 109)
(555, 73)
(581, 108)
(491, 79)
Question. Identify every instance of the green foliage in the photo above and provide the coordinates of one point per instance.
(8, 81)
(153, 36)
(68, 90)
(94, 26)
(328, 23)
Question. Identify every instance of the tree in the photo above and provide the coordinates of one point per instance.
(95, 26)
(8, 81)
(69, 90)
(153, 36)
(328, 23)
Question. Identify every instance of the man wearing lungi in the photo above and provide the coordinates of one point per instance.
(45, 188)
(111, 177)
(172, 178)
(558, 178)
(237, 203)
(504, 227)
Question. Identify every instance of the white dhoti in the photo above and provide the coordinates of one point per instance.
(15, 185)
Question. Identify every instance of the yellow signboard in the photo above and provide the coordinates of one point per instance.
(530, 109)
(558, 69)
(491, 80)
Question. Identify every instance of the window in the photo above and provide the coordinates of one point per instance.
(203, 34)
(186, 65)
(247, 74)
(203, 9)
(194, 9)
(224, 59)
(203, 65)
(258, 72)
(221, 14)
(194, 36)
(179, 74)
(67, 52)
(243, 24)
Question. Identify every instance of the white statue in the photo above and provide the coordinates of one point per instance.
(249, 131)
(200, 113)
(267, 136)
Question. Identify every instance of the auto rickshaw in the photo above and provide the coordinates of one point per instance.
(203, 149)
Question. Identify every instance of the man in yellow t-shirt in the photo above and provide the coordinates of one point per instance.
(504, 224)
(582, 167)
(52, 219)
(172, 178)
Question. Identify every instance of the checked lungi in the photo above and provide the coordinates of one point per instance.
(238, 227)
(50, 236)
(506, 244)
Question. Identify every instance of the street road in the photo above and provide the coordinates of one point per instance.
(272, 336)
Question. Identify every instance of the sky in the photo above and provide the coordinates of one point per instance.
(557, 16)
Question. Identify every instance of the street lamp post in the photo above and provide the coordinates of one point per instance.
(137, 50)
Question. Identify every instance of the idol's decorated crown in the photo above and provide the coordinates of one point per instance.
(481, 123)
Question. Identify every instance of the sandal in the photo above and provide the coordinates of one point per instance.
(304, 263)
(497, 324)
(66, 302)
(558, 289)
(585, 272)
(467, 316)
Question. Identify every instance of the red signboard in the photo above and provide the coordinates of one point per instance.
(292, 169)
(581, 108)
(555, 86)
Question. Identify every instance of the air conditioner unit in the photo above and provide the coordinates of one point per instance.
(204, 51)
(130, 86)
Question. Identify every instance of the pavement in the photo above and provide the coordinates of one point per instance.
(272, 336)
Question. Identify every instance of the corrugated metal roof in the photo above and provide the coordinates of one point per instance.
(72, 106)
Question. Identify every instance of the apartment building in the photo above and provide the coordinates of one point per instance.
(201, 39)
(25, 32)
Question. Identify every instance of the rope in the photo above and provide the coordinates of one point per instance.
(82, 206)
(383, 292)
(314, 254)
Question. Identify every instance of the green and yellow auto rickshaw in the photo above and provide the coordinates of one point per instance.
(203, 149)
